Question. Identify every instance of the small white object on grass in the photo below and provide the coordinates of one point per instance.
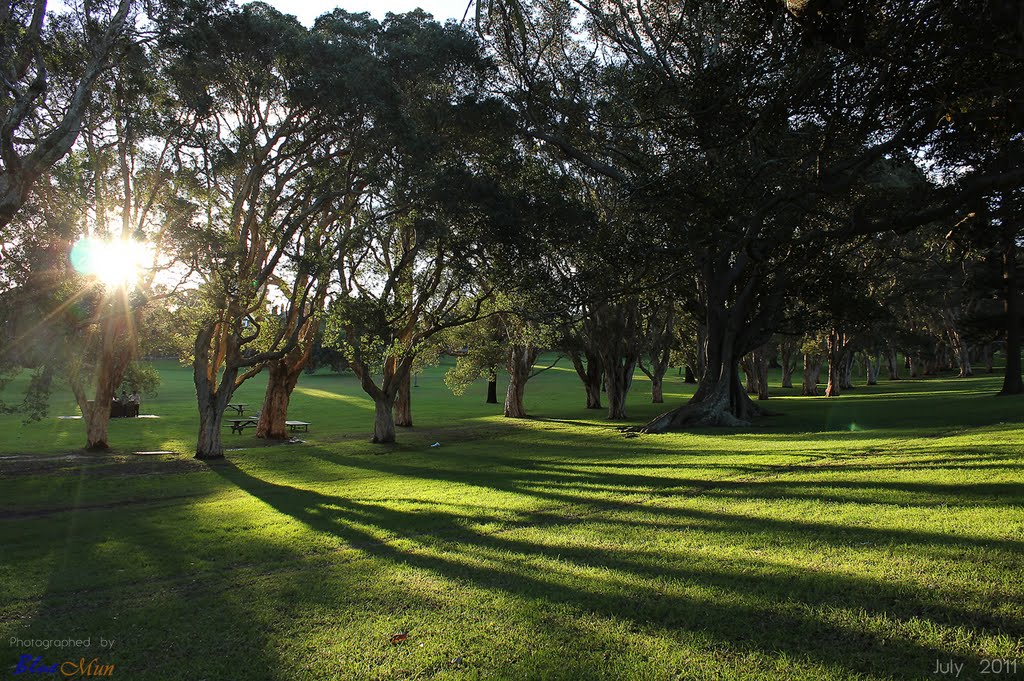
(436, 444)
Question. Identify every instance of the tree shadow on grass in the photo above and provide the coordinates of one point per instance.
(759, 607)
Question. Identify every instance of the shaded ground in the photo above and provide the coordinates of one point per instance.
(555, 548)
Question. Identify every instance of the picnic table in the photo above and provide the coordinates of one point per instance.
(238, 408)
(238, 425)
(296, 426)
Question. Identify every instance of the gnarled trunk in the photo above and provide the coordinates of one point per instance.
(209, 444)
(521, 359)
(281, 382)
(836, 349)
(403, 403)
(618, 378)
(720, 399)
(383, 420)
(97, 414)
(283, 376)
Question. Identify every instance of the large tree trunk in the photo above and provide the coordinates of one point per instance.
(212, 396)
(383, 420)
(618, 380)
(521, 359)
(657, 390)
(1012, 380)
(97, 415)
(720, 399)
(690, 377)
(209, 444)
(281, 382)
(403, 403)
(283, 376)
(836, 347)
(812, 372)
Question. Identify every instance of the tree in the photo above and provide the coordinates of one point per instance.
(735, 128)
(49, 71)
(112, 204)
(284, 114)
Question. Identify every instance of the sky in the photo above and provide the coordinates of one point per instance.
(308, 10)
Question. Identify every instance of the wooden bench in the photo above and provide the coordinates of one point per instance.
(238, 425)
(295, 426)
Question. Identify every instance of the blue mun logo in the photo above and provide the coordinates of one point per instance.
(29, 664)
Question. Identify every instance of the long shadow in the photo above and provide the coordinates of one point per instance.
(94, 589)
(766, 612)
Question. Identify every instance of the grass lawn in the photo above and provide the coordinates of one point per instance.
(873, 536)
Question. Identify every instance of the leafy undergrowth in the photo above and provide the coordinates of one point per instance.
(874, 536)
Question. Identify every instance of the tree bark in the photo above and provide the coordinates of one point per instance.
(212, 396)
(521, 359)
(281, 380)
(690, 377)
(759, 361)
(836, 347)
(750, 379)
(812, 372)
(847, 372)
(588, 368)
(98, 414)
(872, 368)
(1012, 380)
(618, 380)
(403, 403)
(283, 376)
(720, 399)
(659, 367)
(383, 420)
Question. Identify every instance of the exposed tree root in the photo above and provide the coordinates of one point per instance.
(700, 416)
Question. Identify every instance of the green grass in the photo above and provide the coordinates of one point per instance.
(862, 537)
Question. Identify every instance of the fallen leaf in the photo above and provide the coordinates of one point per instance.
(398, 638)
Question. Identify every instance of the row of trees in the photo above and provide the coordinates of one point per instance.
(640, 185)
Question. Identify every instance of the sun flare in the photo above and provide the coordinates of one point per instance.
(117, 263)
